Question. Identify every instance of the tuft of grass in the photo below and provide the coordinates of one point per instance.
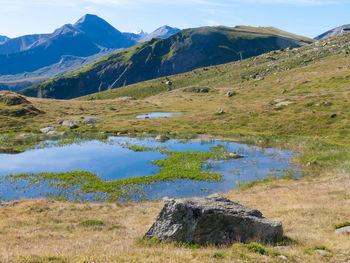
(262, 250)
(91, 223)
(312, 249)
(218, 255)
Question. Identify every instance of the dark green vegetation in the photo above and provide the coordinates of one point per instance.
(77, 185)
(262, 250)
(92, 222)
(187, 50)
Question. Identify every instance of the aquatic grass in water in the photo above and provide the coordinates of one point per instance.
(135, 169)
(179, 165)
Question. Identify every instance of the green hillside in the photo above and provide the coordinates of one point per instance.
(187, 50)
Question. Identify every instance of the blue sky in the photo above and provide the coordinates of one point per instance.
(304, 17)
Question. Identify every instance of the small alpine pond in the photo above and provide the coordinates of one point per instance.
(123, 168)
(158, 115)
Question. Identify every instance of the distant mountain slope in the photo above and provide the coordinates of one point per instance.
(30, 59)
(3, 38)
(182, 52)
(334, 32)
(20, 44)
(89, 36)
(162, 32)
(65, 65)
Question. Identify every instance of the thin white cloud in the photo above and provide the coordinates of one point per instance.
(293, 2)
(126, 3)
(211, 22)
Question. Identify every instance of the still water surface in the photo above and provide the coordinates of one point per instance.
(111, 161)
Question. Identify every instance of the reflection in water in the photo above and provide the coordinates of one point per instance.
(112, 161)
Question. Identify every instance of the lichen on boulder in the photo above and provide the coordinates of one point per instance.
(213, 220)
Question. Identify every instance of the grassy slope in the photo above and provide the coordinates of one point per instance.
(308, 208)
(182, 52)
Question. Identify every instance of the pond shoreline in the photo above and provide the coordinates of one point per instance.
(172, 169)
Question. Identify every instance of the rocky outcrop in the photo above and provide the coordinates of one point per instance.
(213, 220)
(14, 105)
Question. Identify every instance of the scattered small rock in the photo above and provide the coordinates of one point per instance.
(9, 204)
(283, 257)
(213, 220)
(221, 111)
(343, 230)
(282, 248)
(162, 138)
(48, 129)
(332, 116)
(230, 94)
(69, 124)
(197, 90)
(169, 83)
(56, 133)
(323, 252)
(127, 98)
(22, 136)
(283, 92)
(91, 120)
(284, 103)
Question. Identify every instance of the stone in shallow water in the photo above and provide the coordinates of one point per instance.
(213, 220)
(162, 138)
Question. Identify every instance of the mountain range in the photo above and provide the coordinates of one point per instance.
(334, 32)
(25, 57)
(184, 51)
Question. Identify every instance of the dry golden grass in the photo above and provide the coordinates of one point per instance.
(46, 231)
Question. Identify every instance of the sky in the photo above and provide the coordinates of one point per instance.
(304, 17)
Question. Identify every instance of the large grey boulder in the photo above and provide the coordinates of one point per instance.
(213, 220)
